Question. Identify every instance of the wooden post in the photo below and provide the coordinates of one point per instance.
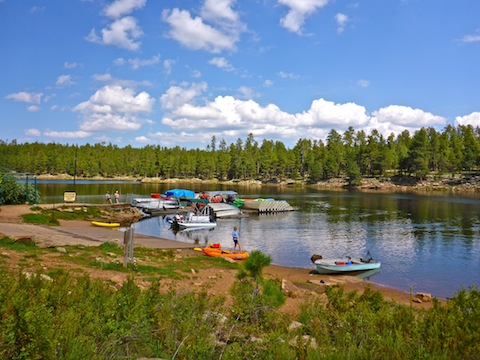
(128, 246)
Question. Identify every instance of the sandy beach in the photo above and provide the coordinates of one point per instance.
(299, 282)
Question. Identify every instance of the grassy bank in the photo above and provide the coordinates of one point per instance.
(63, 312)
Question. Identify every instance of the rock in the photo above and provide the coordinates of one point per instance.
(61, 249)
(289, 289)
(294, 325)
(417, 300)
(425, 297)
(193, 271)
(25, 239)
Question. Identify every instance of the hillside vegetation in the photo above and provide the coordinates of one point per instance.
(352, 155)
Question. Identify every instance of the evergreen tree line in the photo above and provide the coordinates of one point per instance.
(353, 154)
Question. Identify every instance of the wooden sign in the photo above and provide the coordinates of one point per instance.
(69, 196)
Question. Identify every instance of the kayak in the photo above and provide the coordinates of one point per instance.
(215, 250)
(106, 224)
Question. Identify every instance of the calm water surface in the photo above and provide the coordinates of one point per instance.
(426, 243)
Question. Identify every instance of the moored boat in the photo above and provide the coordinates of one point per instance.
(106, 224)
(215, 250)
(335, 266)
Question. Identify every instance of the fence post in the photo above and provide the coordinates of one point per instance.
(128, 246)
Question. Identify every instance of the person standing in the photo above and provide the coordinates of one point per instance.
(235, 238)
(117, 197)
(108, 198)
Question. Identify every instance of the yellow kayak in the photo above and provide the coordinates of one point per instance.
(106, 224)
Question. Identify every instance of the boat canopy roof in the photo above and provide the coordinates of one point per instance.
(180, 193)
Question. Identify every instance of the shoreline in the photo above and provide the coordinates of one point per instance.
(434, 184)
(302, 281)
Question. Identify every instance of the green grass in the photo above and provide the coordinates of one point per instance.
(70, 317)
(51, 216)
(40, 219)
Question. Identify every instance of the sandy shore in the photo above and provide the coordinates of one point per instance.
(84, 233)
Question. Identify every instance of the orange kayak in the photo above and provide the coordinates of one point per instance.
(215, 250)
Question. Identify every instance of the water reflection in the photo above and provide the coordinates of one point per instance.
(429, 243)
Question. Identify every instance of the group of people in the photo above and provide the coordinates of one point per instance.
(108, 197)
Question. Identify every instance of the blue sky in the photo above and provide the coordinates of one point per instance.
(168, 73)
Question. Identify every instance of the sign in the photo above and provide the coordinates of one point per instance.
(69, 196)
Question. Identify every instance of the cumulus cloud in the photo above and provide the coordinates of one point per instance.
(298, 11)
(230, 118)
(122, 33)
(194, 34)
(218, 28)
(120, 8)
(114, 108)
(472, 119)
(26, 97)
(33, 108)
(396, 119)
(221, 63)
(177, 96)
(342, 21)
(33, 132)
(64, 80)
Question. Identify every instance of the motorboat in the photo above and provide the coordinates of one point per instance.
(201, 218)
(346, 265)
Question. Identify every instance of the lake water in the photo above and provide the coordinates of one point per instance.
(426, 243)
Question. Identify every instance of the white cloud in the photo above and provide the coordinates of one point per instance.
(120, 8)
(137, 63)
(177, 96)
(114, 108)
(64, 80)
(285, 75)
(471, 38)
(195, 34)
(67, 134)
(299, 10)
(142, 139)
(363, 83)
(408, 117)
(33, 132)
(109, 79)
(220, 12)
(29, 98)
(33, 108)
(168, 66)
(122, 33)
(326, 114)
(267, 83)
(247, 93)
(221, 63)
(68, 65)
(472, 119)
(230, 118)
(342, 21)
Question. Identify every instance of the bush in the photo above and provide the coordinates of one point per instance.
(12, 192)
